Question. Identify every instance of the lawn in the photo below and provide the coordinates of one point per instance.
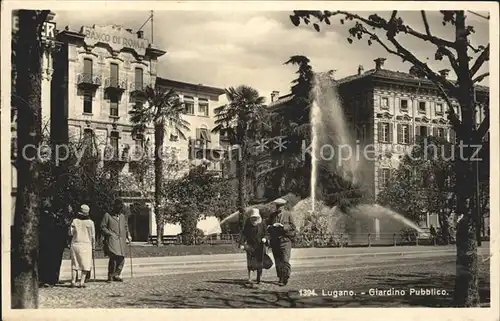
(173, 250)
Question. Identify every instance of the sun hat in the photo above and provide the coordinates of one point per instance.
(279, 201)
(255, 212)
(84, 210)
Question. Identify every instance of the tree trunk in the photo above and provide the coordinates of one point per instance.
(159, 138)
(242, 188)
(466, 283)
(24, 267)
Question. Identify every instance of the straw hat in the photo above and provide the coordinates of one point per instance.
(279, 201)
(84, 210)
(255, 212)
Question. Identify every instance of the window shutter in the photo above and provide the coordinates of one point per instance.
(380, 179)
(376, 101)
(400, 133)
(380, 132)
(434, 131)
(391, 125)
(453, 137)
(198, 133)
(411, 132)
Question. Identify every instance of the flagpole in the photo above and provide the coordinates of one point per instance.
(151, 26)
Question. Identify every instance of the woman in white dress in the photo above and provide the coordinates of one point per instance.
(82, 244)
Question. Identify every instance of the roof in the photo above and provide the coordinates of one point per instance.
(281, 100)
(394, 75)
(196, 87)
(379, 74)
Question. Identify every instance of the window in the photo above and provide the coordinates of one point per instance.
(384, 132)
(203, 107)
(203, 134)
(189, 105)
(438, 132)
(403, 133)
(114, 75)
(384, 103)
(404, 104)
(422, 131)
(439, 108)
(422, 107)
(113, 106)
(87, 69)
(139, 78)
(385, 177)
(114, 140)
(87, 103)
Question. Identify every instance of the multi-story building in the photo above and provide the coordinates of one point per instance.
(386, 110)
(90, 85)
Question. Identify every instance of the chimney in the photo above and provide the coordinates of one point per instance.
(379, 63)
(140, 34)
(274, 95)
(361, 70)
(444, 73)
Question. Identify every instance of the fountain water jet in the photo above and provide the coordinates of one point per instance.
(329, 130)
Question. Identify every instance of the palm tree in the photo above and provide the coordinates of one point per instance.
(163, 108)
(242, 121)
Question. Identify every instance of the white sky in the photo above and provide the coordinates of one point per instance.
(224, 49)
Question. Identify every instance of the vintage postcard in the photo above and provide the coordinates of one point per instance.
(208, 160)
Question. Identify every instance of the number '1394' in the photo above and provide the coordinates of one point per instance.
(307, 292)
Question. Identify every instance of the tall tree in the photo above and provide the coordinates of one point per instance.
(242, 121)
(293, 123)
(27, 61)
(162, 108)
(459, 52)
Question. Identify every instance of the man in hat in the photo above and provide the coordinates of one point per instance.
(114, 227)
(281, 228)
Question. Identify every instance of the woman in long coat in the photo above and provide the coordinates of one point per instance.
(114, 227)
(253, 240)
(82, 244)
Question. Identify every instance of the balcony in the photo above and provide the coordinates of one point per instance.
(137, 89)
(115, 85)
(88, 81)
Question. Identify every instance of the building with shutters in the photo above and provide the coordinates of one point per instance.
(387, 109)
(92, 82)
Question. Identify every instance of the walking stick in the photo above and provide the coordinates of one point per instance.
(131, 263)
(93, 262)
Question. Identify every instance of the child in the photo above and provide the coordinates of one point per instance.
(253, 239)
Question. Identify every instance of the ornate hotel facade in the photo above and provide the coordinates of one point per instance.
(92, 82)
(386, 110)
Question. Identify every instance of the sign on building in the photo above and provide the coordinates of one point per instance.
(116, 37)
(48, 28)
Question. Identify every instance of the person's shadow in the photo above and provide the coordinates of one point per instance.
(242, 283)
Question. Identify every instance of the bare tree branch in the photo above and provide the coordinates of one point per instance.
(483, 57)
(451, 57)
(480, 77)
(476, 50)
(426, 23)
